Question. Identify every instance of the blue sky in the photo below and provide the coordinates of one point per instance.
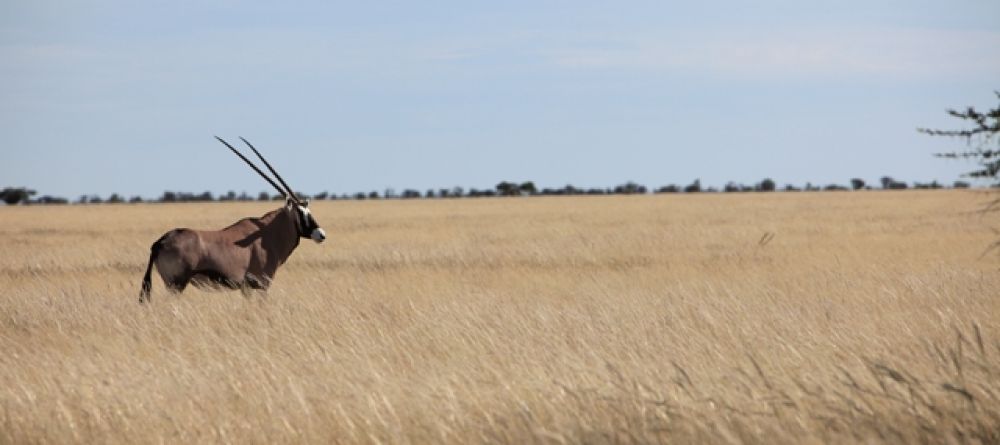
(101, 97)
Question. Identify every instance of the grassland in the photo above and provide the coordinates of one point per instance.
(743, 318)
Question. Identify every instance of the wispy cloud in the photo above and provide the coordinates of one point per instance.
(897, 53)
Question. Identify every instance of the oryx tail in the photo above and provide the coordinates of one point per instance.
(147, 279)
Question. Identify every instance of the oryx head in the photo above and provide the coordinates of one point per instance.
(304, 220)
(305, 224)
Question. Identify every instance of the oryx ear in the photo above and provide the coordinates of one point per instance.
(305, 203)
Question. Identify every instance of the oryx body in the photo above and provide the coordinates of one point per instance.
(246, 255)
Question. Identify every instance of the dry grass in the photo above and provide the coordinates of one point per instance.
(864, 317)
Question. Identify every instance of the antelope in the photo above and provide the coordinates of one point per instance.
(244, 255)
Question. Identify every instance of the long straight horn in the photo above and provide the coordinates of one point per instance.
(276, 175)
(254, 167)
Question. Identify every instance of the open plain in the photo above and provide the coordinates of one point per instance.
(723, 318)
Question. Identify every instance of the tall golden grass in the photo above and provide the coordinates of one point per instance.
(736, 318)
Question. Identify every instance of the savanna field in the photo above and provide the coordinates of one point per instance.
(714, 318)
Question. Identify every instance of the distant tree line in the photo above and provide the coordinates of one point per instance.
(981, 137)
(22, 195)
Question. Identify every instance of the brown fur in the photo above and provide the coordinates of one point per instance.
(245, 255)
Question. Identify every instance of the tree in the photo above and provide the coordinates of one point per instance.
(12, 196)
(857, 183)
(505, 188)
(888, 183)
(527, 188)
(693, 187)
(630, 188)
(983, 134)
(767, 185)
(48, 199)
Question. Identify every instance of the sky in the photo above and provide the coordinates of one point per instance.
(102, 97)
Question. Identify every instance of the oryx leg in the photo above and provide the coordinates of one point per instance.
(177, 284)
(175, 276)
(254, 285)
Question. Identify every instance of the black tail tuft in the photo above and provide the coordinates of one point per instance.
(147, 280)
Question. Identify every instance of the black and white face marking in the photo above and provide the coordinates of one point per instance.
(307, 224)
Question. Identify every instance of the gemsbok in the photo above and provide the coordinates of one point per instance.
(243, 256)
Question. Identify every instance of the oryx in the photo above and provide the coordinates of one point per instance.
(244, 256)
